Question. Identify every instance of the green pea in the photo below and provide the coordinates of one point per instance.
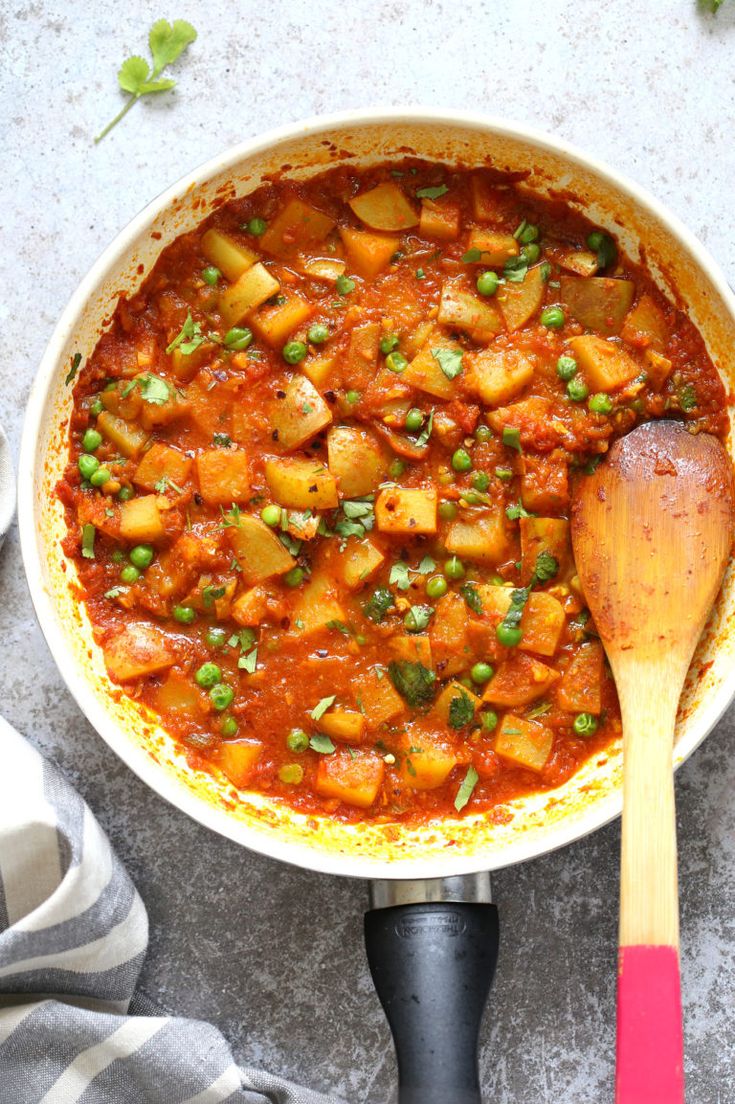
(142, 556)
(488, 283)
(396, 469)
(318, 333)
(529, 233)
(577, 389)
(388, 343)
(294, 577)
(87, 465)
(414, 419)
(216, 636)
(294, 352)
(481, 673)
(553, 318)
(481, 481)
(91, 440)
(353, 397)
(454, 568)
(221, 696)
(96, 408)
(207, 675)
(436, 587)
(291, 774)
(229, 726)
(604, 246)
(239, 337)
(508, 636)
(585, 724)
(271, 515)
(256, 227)
(489, 720)
(600, 403)
(461, 460)
(396, 362)
(344, 285)
(566, 368)
(125, 494)
(483, 433)
(447, 511)
(211, 275)
(531, 252)
(100, 477)
(129, 574)
(184, 614)
(297, 740)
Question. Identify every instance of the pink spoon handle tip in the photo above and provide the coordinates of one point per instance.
(650, 1068)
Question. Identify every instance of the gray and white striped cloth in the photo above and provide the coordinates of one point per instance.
(73, 935)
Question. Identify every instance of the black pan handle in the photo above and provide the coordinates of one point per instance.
(433, 963)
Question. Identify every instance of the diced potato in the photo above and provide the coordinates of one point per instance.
(319, 369)
(542, 620)
(461, 310)
(496, 247)
(139, 649)
(356, 460)
(439, 219)
(448, 634)
(359, 562)
(425, 372)
(526, 743)
(544, 534)
(328, 269)
(367, 253)
(598, 302)
(360, 362)
(377, 698)
(302, 524)
(128, 439)
(479, 536)
(140, 520)
(299, 415)
(519, 681)
(276, 324)
(162, 462)
(580, 689)
(427, 763)
(250, 291)
(157, 414)
(316, 604)
(250, 607)
(406, 510)
(519, 302)
(606, 365)
(211, 406)
(343, 725)
(230, 256)
(658, 368)
(354, 778)
(498, 375)
(580, 261)
(186, 365)
(412, 648)
(545, 482)
(486, 199)
(301, 484)
(178, 695)
(384, 207)
(297, 227)
(452, 690)
(645, 325)
(223, 476)
(237, 760)
(257, 550)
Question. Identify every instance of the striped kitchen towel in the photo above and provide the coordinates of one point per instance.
(73, 935)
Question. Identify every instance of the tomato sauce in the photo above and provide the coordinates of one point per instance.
(319, 480)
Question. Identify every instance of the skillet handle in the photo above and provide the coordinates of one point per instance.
(432, 964)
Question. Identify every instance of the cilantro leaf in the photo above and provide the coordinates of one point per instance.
(154, 390)
(321, 743)
(322, 706)
(461, 710)
(211, 593)
(464, 793)
(516, 510)
(399, 575)
(88, 534)
(515, 269)
(687, 397)
(427, 565)
(378, 604)
(472, 256)
(547, 567)
(136, 77)
(248, 662)
(449, 360)
(221, 440)
(432, 193)
(425, 434)
(471, 597)
(76, 361)
(190, 330)
(413, 681)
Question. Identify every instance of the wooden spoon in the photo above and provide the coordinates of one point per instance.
(652, 532)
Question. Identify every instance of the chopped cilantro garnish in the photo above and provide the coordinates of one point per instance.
(449, 360)
(322, 706)
(471, 597)
(76, 361)
(432, 193)
(321, 743)
(465, 791)
(189, 337)
(461, 710)
(413, 681)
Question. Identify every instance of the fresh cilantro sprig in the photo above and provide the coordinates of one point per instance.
(139, 77)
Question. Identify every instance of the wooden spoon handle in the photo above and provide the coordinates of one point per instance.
(650, 1047)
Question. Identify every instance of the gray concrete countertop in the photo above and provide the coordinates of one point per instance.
(273, 955)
